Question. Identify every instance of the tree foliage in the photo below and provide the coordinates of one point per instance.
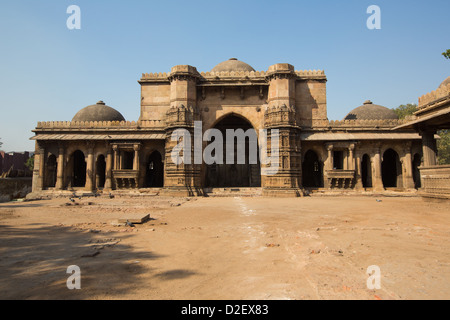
(443, 146)
(405, 110)
(446, 54)
(30, 163)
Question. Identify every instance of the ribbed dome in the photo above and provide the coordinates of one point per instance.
(98, 112)
(445, 82)
(232, 65)
(370, 111)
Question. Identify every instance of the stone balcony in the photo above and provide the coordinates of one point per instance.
(435, 181)
(126, 178)
(339, 178)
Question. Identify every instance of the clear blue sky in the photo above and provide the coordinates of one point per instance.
(48, 72)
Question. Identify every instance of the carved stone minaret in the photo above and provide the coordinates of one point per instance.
(281, 114)
(184, 178)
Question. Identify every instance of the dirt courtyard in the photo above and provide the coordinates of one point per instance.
(226, 248)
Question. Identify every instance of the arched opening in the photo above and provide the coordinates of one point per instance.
(79, 169)
(366, 171)
(235, 174)
(51, 171)
(154, 175)
(100, 171)
(417, 160)
(391, 169)
(312, 170)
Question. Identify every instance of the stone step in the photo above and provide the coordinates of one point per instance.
(233, 192)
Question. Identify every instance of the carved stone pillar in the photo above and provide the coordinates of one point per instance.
(351, 160)
(61, 168)
(109, 165)
(408, 180)
(429, 148)
(328, 165)
(39, 166)
(136, 149)
(90, 168)
(376, 171)
(358, 173)
(116, 157)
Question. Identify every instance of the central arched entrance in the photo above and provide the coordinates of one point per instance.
(234, 175)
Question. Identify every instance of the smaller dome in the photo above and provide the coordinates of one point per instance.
(232, 64)
(370, 111)
(98, 112)
(445, 82)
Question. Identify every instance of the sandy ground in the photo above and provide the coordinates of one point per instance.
(226, 248)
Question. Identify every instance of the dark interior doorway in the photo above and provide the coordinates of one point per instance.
(366, 171)
(154, 176)
(79, 169)
(391, 169)
(312, 170)
(51, 171)
(417, 161)
(100, 171)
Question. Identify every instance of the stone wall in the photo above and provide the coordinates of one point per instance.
(14, 188)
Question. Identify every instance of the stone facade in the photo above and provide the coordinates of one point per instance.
(315, 153)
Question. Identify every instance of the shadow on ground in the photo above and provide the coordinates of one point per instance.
(34, 261)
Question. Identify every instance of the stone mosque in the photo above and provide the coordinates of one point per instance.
(99, 151)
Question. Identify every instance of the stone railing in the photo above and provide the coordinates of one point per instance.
(435, 181)
(233, 74)
(387, 123)
(100, 124)
(84, 124)
(426, 99)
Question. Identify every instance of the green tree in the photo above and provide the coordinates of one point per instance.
(446, 54)
(405, 110)
(443, 146)
(1, 143)
(30, 163)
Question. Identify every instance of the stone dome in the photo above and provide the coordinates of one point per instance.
(370, 111)
(445, 82)
(98, 112)
(232, 64)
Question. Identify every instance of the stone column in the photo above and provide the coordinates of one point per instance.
(90, 169)
(351, 160)
(408, 180)
(109, 166)
(116, 157)
(61, 169)
(136, 148)
(377, 180)
(328, 166)
(429, 148)
(358, 173)
(39, 166)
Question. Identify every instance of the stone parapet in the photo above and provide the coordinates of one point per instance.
(387, 123)
(435, 181)
(429, 99)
